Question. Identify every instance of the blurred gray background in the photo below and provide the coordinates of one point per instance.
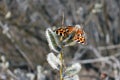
(22, 33)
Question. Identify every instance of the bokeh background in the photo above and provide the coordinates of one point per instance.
(24, 46)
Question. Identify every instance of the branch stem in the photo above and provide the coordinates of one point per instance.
(61, 67)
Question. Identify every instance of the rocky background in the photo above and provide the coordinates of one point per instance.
(24, 46)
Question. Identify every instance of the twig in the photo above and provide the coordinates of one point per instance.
(108, 47)
(24, 56)
(79, 54)
(12, 75)
(104, 59)
(61, 59)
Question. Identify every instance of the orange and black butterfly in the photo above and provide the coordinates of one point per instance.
(79, 34)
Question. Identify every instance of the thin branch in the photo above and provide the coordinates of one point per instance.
(101, 59)
(108, 47)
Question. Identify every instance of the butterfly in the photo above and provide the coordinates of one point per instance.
(79, 34)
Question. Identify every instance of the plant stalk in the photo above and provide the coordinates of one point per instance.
(61, 67)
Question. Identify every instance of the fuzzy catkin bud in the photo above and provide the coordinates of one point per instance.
(53, 41)
(71, 71)
(53, 61)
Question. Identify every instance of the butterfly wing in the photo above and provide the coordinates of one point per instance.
(79, 36)
(80, 32)
(70, 29)
(61, 32)
(79, 39)
(64, 31)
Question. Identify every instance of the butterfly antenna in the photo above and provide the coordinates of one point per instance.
(63, 19)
